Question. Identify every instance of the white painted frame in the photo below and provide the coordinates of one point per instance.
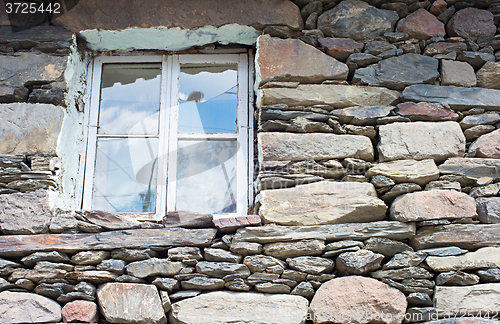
(168, 135)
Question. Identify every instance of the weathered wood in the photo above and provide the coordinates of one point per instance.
(20, 245)
(465, 236)
(359, 231)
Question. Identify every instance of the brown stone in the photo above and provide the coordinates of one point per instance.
(433, 204)
(438, 7)
(340, 48)
(489, 76)
(459, 74)
(421, 25)
(426, 111)
(444, 48)
(80, 311)
(357, 299)
(471, 22)
(465, 236)
(277, 61)
(487, 146)
(122, 14)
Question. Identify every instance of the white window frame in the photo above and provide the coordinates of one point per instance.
(168, 135)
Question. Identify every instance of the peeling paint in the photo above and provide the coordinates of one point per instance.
(164, 38)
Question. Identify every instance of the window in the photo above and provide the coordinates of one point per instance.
(169, 133)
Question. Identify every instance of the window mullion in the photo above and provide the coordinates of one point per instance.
(173, 104)
(242, 125)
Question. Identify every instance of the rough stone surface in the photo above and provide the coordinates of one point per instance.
(233, 307)
(152, 267)
(222, 269)
(130, 303)
(358, 263)
(455, 73)
(297, 147)
(201, 283)
(322, 203)
(405, 259)
(334, 95)
(294, 249)
(472, 168)
(456, 278)
(487, 145)
(488, 209)
(465, 236)
(476, 59)
(399, 72)
(25, 213)
(28, 308)
(459, 98)
(421, 140)
(471, 22)
(433, 204)
(340, 48)
(362, 115)
(220, 255)
(312, 265)
(426, 111)
(421, 25)
(489, 76)
(356, 20)
(339, 299)
(419, 172)
(490, 275)
(468, 300)
(88, 14)
(404, 273)
(487, 257)
(386, 246)
(277, 61)
(29, 128)
(475, 132)
(80, 311)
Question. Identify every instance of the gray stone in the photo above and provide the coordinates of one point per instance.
(129, 279)
(399, 72)
(419, 300)
(342, 245)
(113, 265)
(357, 20)
(486, 146)
(272, 288)
(444, 251)
(475, 132)
(201, 283)
(487, 257)
(130, 255)
(278, 147)
(237, 284)
(400, 189)
(89, 257)
(165, 301)
(246, 248)
(220, 255)
(169, 284)
(221, 269)
(130, 303)
(304, 125)
(184, 253)
(456, 278)
(7, 267)
(71, 296)
(93, 276)
(52, 290)
(490, 275)
(456, 73)
(25, 213)
(421, 140)
(362, 59)
(304, 289)
(419, 172)
(28, 308)
(284, 250)
(153, 267)
(405, 259)
(53, 256)
(333, 169)
(233, 307)
(62, 223)
(404, 273)
(333, 95)
(485, 191)
(358, 263)
(259, 277)
(294, 275)
(377, 47)
(488, 209)
(459, 98)
(380, 181)
(48, 266)
(183, 294)
(434, 204)
(341, 202)
(469, 300)
(259, 263)
(110, 221)
(488, 118)
(476, 59)
(313, 265)
(337, 232)
(409, 286)
(361, 116)
(30, 128)
(472, 168)
(471, 23)
(443, 185)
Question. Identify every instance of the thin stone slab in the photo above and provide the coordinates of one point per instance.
(232, 307)
(20, 245)
(419, 172)
(472, 168)
(487, 257)
(333, 95)
(298, 147)
(465, 236)
(322, 203)
(459, 98)
(285, 250)
(330, 233)
(468, 300)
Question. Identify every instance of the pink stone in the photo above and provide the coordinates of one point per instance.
(421, 25)
(426, 111)
(438, 7)
(487, 146)
(80, 311)
(340, 48)
(471, 22)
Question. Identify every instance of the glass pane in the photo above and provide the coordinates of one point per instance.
(208, 98)
(125, 175)
(206, 176)
(130, 99)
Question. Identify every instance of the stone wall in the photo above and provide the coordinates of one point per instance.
(377, 193)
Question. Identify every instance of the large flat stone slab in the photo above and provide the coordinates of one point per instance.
(355, 231)
(433, 204)
(17, 307)
(232, 307)
(298, 147)
(419, 172)
(467, 300)
(29, 128)
(277, 61)
(487, 257)
(134, 239)
(334, 95)
(131, 303)
(465, 236)
(421, 140)
(459, 98)
(322, 203)
(472, 167)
